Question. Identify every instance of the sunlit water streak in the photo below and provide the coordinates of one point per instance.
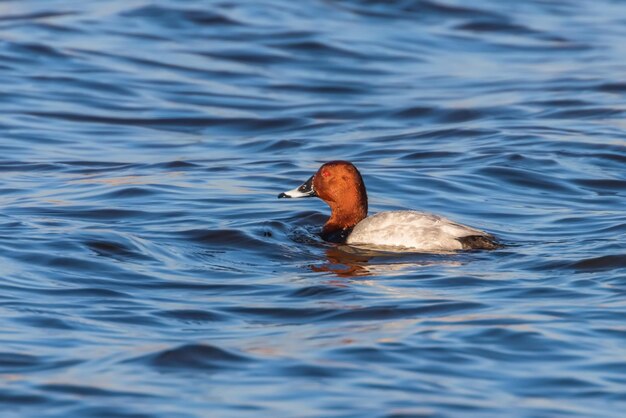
(148, 269)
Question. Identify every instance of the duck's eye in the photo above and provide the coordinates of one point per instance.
(325, 173)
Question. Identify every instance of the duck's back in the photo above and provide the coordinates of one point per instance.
(418, 230)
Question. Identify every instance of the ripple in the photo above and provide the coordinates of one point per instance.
(602, 263)
(11, 397)
(189, 315)
(130, 193)
(526, 178)
(319, 292)
(495, 26)
(175, 17)
(602, 184)
(313, 371)
(84, 390)
(35, 16)
(194, 357)
(11, 362)
(226, 238)
(183, 124)
(617, 88)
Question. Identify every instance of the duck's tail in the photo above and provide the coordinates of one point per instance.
(479, 242)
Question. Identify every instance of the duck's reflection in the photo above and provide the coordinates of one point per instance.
(344, 263)
(348, 261)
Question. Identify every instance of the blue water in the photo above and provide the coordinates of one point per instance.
(148, 269)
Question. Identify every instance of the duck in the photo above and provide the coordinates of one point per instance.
(340, 185)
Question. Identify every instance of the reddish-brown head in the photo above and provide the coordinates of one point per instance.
(340, 185)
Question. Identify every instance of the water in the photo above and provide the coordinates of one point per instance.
(150, 271)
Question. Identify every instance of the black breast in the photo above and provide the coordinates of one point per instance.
(338, 236)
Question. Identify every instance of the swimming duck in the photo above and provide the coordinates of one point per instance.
(340, 185)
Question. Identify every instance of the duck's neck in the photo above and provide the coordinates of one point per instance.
(343, 219)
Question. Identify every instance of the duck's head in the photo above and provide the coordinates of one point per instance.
(340, 185)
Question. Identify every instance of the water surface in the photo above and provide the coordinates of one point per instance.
(150, 271)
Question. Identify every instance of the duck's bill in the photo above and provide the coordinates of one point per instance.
(305, 190)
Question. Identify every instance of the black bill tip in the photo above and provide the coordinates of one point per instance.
(304, 190)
